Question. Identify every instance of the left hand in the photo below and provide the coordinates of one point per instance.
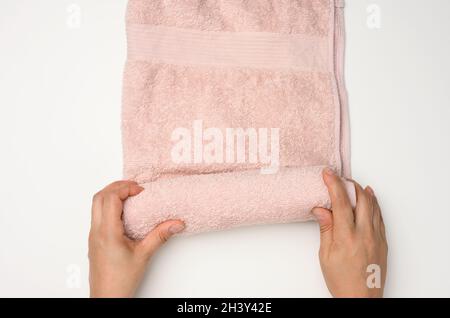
(116, 263)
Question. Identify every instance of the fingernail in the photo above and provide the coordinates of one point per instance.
(140, 188)
(370, 190)
(176, 228)
(328, 171)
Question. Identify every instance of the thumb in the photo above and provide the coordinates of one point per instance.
(325, 220)
(159, 235)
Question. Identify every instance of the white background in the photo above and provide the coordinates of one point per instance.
(60, 93)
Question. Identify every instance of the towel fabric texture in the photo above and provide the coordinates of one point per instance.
(231, 109)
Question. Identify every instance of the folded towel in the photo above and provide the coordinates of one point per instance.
(231, 109)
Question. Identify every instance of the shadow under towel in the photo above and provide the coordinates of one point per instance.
(231, 109)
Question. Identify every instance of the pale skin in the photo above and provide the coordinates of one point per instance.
(116, 263)
(351, 239)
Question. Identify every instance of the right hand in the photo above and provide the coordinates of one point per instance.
(352, 242)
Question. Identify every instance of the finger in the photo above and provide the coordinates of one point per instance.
(113, 202)
(343, 218)
(96, 211)
(383, 227)
(159, 235)
(364, 208)
(325, 220)
(117, 185)
(98, 199)
(383, 231)
(378, 219)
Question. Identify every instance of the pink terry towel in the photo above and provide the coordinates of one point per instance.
(231, 109)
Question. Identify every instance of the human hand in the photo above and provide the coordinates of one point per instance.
(350, 241)
(116, 263)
